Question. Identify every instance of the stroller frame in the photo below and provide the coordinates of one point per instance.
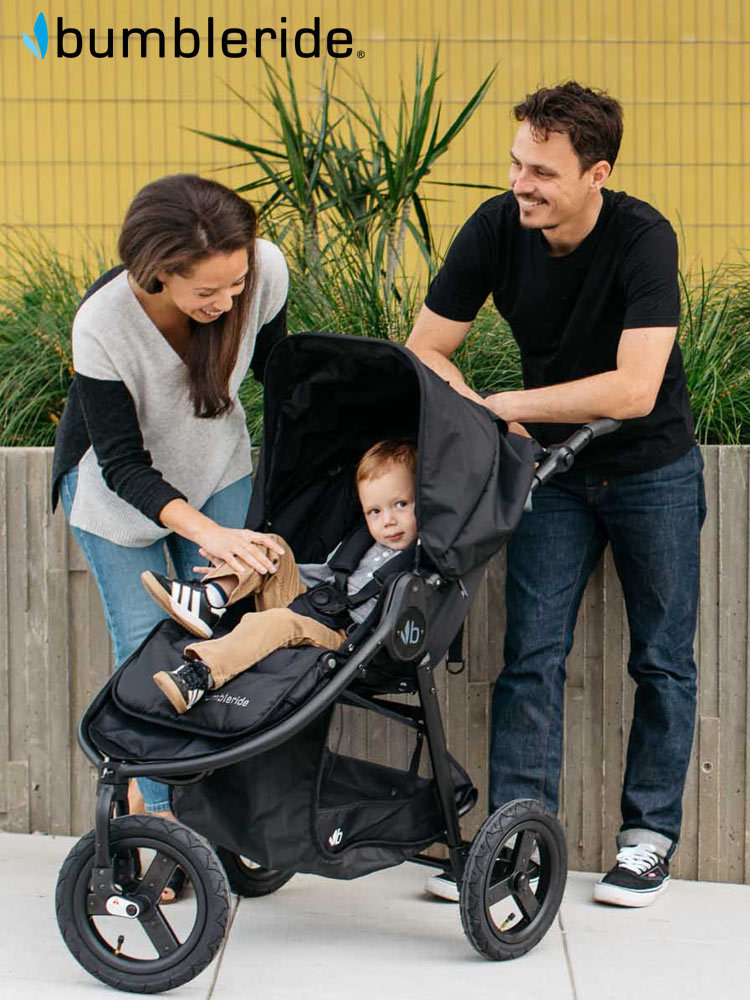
(518, 853)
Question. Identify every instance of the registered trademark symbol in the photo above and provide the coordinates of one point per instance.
(361, 54)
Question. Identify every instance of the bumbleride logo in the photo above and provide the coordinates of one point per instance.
(336, 837)
(229, 699)
(41, 37)
(410, 633)
(187, 42)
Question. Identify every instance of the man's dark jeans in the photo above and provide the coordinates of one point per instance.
(652, 520)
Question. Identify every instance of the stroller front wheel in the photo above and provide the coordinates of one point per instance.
(131, 941)
(514, 880)
(248, 879)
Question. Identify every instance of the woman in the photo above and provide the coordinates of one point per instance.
(152, 447)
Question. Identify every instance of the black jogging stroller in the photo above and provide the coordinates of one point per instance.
(258, 769)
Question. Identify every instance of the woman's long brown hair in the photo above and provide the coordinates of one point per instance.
(173, 224)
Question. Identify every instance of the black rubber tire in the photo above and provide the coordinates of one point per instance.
(249, 880)
(520, 842)
(170, 841)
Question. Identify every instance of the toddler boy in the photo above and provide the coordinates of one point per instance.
(385, 480)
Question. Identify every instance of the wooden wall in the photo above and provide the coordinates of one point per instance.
(55, 654)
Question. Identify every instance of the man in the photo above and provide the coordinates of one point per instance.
(587, 279)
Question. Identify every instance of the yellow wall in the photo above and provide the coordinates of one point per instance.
(78, 137)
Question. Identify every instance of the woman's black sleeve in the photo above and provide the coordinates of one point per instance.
(268, 336)
(115, 434)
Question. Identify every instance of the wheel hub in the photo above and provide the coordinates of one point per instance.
(119, 906)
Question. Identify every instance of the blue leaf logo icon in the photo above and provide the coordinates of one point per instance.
(41, 35)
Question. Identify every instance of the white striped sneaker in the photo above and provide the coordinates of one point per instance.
(185, 601)
(186, 685)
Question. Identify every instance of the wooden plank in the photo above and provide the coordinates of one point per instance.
(495, 615)
(478, 724)
(456, 723)
(746, 675)
(377, 738)
(5, 569)
(571, 800)
(36, 662)
(687, 862)
(17, 604)
(592, 792)
(571, 783)
(709, 738)
(62, 746)
(19, 811)
(707, 644)
(398, 753)
(733, 637)
(61, 741)
(91, 656)
(78, 588)
(475, 635)
(613, 693)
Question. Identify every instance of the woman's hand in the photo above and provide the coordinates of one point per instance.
(239, 548)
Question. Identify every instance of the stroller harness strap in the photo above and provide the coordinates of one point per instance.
(330, 603)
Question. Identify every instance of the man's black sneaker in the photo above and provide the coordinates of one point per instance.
(185, 601)
(639, 876)
(186, 685)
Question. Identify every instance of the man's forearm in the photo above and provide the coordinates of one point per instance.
(611, 394)
(446, 370)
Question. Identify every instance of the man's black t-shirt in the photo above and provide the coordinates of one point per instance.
(567, 313)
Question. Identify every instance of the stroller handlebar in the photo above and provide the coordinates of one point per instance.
(560, 457)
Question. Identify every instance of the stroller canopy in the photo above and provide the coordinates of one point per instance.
(328, 398)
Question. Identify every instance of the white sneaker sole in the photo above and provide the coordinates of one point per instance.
(615, 895)
(443, 889)
(194, 624)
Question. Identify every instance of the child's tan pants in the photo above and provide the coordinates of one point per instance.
(272, 626)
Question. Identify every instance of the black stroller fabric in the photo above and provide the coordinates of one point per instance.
(308, 807)
(302, 805)
(329, 398)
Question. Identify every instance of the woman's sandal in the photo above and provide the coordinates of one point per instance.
(175, 887)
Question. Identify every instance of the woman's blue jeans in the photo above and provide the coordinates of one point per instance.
(652, 520)
(129, 611)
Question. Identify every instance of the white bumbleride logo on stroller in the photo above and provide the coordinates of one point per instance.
(336, 837)
(410, 633)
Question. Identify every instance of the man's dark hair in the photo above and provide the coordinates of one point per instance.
(590, 118)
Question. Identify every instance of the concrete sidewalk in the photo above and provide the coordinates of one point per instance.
(380, 936)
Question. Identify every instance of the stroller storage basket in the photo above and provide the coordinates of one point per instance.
(308, 806)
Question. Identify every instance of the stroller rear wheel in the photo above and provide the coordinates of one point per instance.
(248, 879)
(130, 941)
(514, 880)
